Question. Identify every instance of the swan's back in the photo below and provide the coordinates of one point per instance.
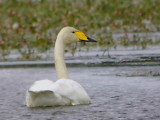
(73, 90)
(62, 92)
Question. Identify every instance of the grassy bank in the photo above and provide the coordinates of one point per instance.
(31, 26)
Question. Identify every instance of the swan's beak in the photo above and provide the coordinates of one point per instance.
(84, 38)
(91, 40)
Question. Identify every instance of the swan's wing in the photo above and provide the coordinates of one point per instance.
(42, 86)
(44, 93)
(71, 90)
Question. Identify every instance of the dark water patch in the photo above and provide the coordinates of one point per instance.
(141, 74)
(120, 57)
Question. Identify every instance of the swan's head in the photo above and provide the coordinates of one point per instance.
(72, 35)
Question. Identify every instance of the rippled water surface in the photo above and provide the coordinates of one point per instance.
(117, 93)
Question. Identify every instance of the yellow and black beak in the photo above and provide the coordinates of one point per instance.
(84, 38)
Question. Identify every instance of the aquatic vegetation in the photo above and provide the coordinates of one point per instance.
(31, 26)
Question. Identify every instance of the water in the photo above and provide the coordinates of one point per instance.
(117, 93)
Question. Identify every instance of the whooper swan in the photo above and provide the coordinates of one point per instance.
(64, 91)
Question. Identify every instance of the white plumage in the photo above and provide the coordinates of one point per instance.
(64, 91)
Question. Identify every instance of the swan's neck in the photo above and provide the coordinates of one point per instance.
(60, 65)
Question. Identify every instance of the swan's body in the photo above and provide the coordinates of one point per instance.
(64, 91)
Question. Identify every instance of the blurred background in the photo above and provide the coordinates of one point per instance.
(121, 72)
(28, 28)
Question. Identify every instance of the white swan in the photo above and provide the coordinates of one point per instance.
(64, 91)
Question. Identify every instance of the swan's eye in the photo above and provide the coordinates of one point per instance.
(73, 32)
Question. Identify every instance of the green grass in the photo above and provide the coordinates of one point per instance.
(27, 25)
